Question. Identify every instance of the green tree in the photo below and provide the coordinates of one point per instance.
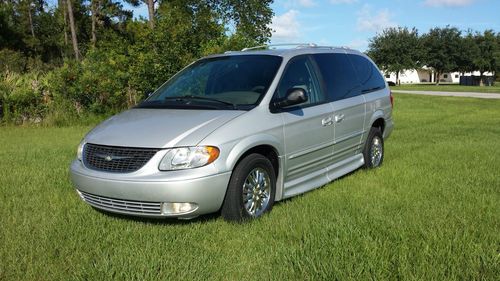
(30, 28)
(441, 49)
(396, 50)
(497, 58)
(249, 19)
(186, 30)
(468, 51)
(106, 15)
(91, 56)
(11, 35)
(72, 27)
(487, 59)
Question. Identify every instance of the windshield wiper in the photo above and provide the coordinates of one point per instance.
(191, 97)
(161, 105)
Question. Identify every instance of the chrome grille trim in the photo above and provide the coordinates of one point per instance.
(115, 158)
(121, 205)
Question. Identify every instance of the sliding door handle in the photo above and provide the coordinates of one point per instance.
(327, 121)
(339, 118)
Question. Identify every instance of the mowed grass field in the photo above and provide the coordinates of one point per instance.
(448, 88)
(431, 212)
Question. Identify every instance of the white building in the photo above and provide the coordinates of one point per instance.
(427, 75)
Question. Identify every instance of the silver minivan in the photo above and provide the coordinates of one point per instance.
(238, 131)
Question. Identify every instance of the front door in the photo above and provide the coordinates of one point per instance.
(308, 128)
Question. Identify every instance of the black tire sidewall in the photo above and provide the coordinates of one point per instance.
(233, 208)
(374, 132)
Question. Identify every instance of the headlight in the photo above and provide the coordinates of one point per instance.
(188, 157)
(79, 152)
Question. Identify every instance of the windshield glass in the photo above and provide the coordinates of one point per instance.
(229, 82)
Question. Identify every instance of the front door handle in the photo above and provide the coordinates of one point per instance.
(327, 121)
(339, 118)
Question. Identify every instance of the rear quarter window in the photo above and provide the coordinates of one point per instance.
(368, 75)
(339, 77)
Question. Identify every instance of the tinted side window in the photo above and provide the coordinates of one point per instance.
(300, 73)
(339, 76)
(368, 75)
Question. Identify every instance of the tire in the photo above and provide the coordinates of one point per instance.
(373, 152)
(244, 180)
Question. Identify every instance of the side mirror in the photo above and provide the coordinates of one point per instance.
(294, 96)
(147, 94)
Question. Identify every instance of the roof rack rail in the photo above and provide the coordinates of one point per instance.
(298, 45)
(334, 47)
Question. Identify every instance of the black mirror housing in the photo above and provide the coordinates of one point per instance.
(294, 96)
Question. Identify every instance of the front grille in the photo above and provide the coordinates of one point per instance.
(120, 205)
(116, 159)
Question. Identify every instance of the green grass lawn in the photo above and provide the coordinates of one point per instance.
(431, 212)
(447, 88)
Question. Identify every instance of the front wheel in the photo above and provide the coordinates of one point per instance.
(251, 190)
(373, 152)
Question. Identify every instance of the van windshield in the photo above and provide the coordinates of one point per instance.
(228, 82)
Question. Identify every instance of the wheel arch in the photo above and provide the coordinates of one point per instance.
(377, 120)
(265, 145)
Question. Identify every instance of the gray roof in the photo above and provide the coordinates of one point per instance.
(289, 52)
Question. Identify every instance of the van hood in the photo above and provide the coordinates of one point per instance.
(159, 128)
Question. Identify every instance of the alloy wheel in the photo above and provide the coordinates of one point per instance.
(256, 192)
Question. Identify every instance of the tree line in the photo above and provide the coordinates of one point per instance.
(447, 49)
(78, 58)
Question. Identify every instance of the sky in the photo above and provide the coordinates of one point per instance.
(352, 23)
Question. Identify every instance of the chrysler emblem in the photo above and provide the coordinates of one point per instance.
(108, 158)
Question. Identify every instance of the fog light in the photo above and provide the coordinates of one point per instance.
(177, 208)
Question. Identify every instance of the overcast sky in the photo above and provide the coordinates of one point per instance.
(353, 22)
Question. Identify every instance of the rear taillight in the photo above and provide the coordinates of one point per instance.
(392, 99)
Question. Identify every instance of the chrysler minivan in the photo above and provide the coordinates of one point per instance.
(238, 131)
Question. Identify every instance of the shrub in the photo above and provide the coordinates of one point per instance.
(24, 97)
(12, 61)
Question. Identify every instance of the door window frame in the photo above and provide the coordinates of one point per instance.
(316, 73)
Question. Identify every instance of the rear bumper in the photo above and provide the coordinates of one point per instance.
(142, 198)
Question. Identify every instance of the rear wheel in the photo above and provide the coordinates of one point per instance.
(251, 190)
(373, 152)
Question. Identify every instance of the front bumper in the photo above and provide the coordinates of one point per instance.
(145, 198)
